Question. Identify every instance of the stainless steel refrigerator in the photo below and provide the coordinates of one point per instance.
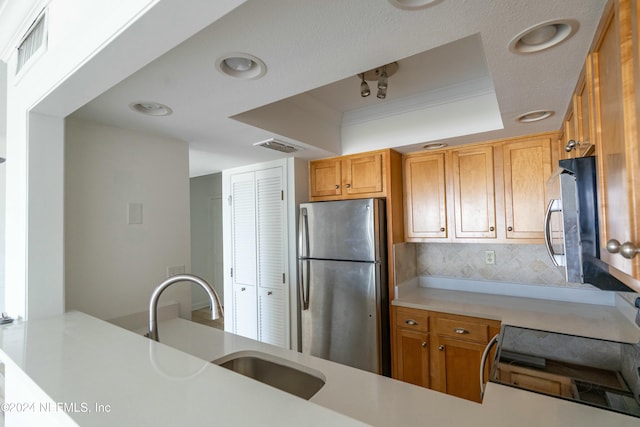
(344, 303)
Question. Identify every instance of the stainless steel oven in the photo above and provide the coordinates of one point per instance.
(586, 370)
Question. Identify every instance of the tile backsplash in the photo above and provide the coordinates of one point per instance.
(513, 263)
(527, 264)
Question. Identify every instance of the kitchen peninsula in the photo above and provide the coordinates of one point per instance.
(75, 358)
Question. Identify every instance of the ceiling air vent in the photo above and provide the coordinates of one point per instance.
(33, 41)
(274, 144)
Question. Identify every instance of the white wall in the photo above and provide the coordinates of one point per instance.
(92, 45)
(3, 175)
(206, 236)
(112, 267)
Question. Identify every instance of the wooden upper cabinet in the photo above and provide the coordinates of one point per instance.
(584, 101)
(325, 177)
(527, 167)
(364, 174)
(474, 192)
(425, 196)
(570, 128)
(349, 177)
(617, 101)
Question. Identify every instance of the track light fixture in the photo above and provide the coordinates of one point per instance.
(381, 74)
(364, 87)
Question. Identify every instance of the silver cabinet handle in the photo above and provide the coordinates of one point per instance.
(441, 347)
(509, 228)
(613, 246)
(627, 249)
(348, 185)
(337, 186)
(442, 228)
(269, 293)
(483, 362)
(424, 344)
(491, 228)
(461, 331)
(243, 289)
(571, 145)
(411, 322)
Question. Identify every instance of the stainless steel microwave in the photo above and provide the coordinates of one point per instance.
(571, 224)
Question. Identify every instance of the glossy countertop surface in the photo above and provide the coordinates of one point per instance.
(77, 358)
(589, 313)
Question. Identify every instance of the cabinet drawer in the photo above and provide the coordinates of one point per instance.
(462, 329)
(409, 318)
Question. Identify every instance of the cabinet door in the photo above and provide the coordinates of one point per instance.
(412, 357)
(245, 318)
(364, 174)
(570, 128)
(272, 317)
(425, 191)
(584, 101)
(527, 167)
(271, 232)
(474, 193)
(617, 144)
(459, 367)
(325, 178)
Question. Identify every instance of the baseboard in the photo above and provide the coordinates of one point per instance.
(200, 304)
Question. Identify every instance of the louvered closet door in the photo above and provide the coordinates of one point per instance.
(243, 246)
(271, 235)
(272, 327)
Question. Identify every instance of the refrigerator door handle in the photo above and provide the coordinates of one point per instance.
(303, 247)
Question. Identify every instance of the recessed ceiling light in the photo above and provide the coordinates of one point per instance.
(241, 65)
(412, 4)
(534, 116)
(434, 146)
(151, 108)
(543, 36)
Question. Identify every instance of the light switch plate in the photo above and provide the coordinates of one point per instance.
(134, 213)
(175, 270)
(489, 257)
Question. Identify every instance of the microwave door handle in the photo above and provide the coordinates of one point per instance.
(483, 363)
(551, 207)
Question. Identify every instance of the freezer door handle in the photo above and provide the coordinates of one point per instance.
(303, 247)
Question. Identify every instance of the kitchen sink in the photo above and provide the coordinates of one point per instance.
(274, 371)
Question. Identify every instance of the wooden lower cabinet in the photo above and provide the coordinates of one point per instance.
(457, 367)
(412, 352)
(442, 351)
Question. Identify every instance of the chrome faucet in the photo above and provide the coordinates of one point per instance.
(216, 307)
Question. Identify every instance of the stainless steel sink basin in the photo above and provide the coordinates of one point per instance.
(282, 374)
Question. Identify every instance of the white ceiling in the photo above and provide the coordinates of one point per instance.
(456, 81)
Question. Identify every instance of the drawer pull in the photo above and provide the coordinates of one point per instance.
(461, 331)
(424, 344)
(441, 347)
(411, 322)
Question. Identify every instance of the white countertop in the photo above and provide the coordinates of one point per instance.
(77, 358)
(382, 401)
(589, 313)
